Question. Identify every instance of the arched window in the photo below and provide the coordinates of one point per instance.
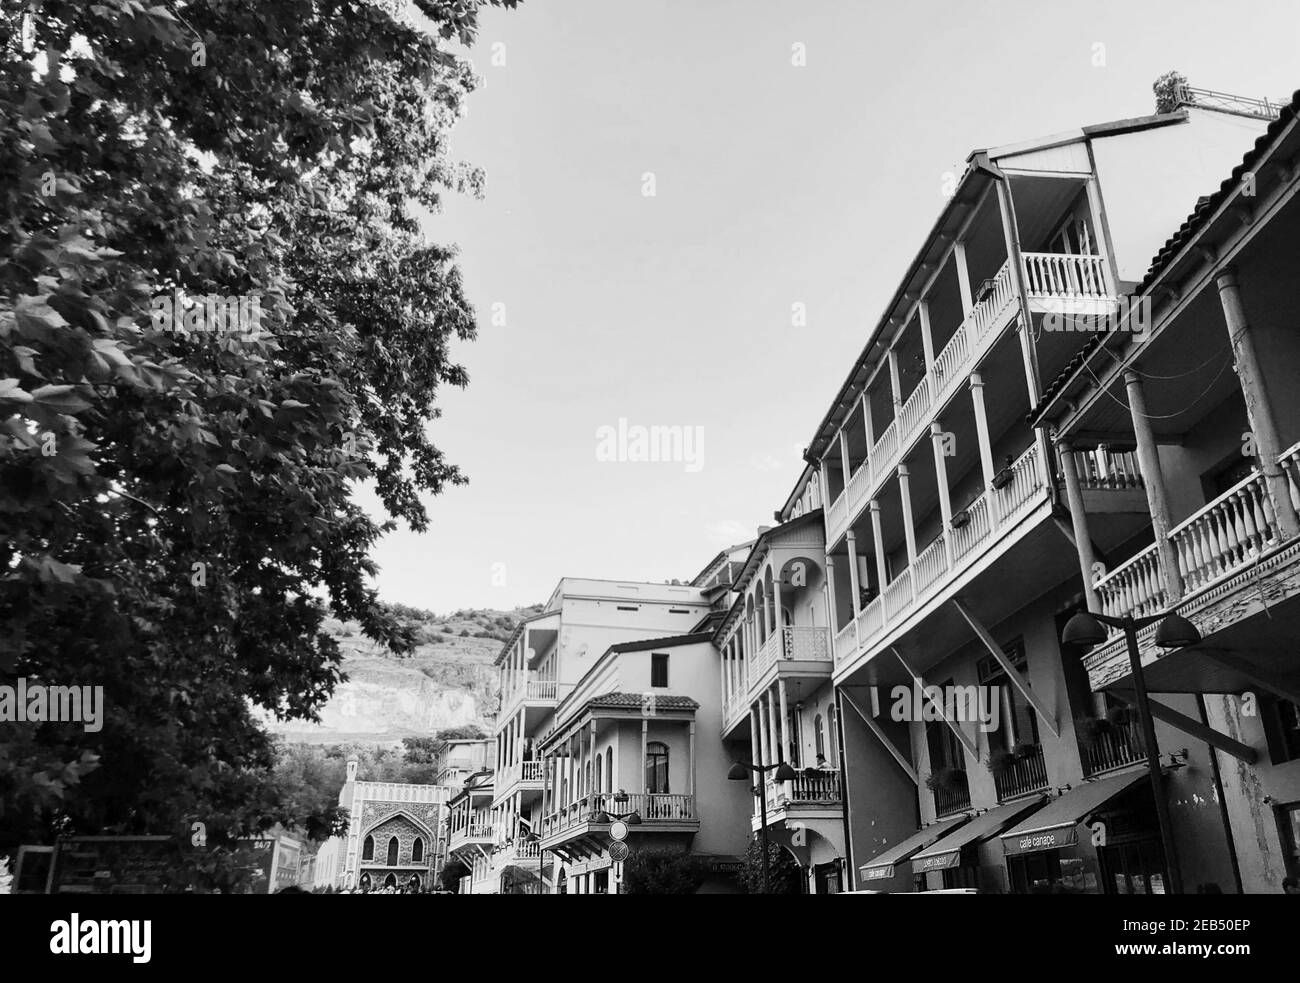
(368, 849)
(586, 780)
(656, 768)
(598, 787)
(417, 850)
(835, 745)
(392, 851)
(609, 769)
(819, 736)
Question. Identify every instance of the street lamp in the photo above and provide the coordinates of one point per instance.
(1084, 631)
(740, 772)
(632, 818)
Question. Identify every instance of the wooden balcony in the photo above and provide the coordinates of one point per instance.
(948, 556)
(1217, 542)
(1027, 774)
(471, 834)
(657, 812)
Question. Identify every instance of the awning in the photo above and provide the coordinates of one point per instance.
(947, 852)
(883, 866)
(1056, 825)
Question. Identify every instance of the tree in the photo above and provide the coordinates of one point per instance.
(1169, 91)
(662, 872)
(786, 873)
(465, 732)
(452, 871)
(176, 510)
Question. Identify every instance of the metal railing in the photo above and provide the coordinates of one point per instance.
(1027, 774)
(1114, 747)
(950, 800)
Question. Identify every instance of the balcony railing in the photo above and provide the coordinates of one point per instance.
(950, 800)
(1114, 747)
(952, 366)
(1106, 469)
(1220, 540)
(934, 567)
(651, 807)
(520, 771)
(1064, 275)
(1027, 774)
(804, 643)
(815, 786)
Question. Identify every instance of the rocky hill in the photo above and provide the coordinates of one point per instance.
(448, 681)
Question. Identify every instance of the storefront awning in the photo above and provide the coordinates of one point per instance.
(1056, 824)
(883, 866)
(947, 851)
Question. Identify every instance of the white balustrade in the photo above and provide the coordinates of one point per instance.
(871, 618)
(845, 642)
(969, 535)
(1026, 479)
(931, 564)
(1136, 587)
(1063, 275)
(1226, 535)
(898, 594)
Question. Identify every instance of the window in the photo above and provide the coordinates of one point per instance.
(392, 851)
(609, 769)
(417, 850)
(368, 849)
(659, 670)
(835, 738)
(656, 768)
(819, 736)
(597, 787)
(1018, 722)
(1282, 729)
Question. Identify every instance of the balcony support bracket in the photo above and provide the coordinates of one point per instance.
(882, 738)
(1287, 687)
(1193, 728)
(1017, 680)
(967, 743)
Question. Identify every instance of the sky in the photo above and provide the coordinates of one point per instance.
(665, 182)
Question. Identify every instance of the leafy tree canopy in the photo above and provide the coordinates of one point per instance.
(176, 517)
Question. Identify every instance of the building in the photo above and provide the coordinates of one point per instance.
(777, 696)
(969, 741)
(471, 833)
(606, 697)
(392, 838)
(456, 760)
(1206, 400)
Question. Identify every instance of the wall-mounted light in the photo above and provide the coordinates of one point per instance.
(1178, 759)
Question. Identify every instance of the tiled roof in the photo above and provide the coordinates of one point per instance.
(1206, 205)
(614, 701)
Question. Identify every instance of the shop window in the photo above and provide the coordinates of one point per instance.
(1132, 868)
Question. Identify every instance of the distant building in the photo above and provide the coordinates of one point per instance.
(456, 760)
(392, 838)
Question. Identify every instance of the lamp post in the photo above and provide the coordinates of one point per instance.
(740, 772)
(1085, 631)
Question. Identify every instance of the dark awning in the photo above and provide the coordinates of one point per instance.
(883, 865)
(1056, 824)
(947, 852)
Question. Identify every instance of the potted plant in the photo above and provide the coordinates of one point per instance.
(1003, 477)
(1119, 716)
(946, 779)
(1092, 729)
(1001, 760)
(960, 518)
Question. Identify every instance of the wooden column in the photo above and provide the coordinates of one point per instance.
(963, 277)
(905, 495)
(785, 720)
(895, 385)
(691, 760)
(1154, 479)
(927, 335)
(941, 478)
(645, 733)
(1259, 408)
(878, 543)
(854, 585)
(1079, 520)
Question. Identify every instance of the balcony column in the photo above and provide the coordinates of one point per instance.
(1079, 520)
(986, 446)
(592, 757)
(963, 277)
(645, 751)
(905, 494)
(690, 756)
(1157, 493)
(785, 718)
(765, 727)
(755, 744)
(776, 611)
(844, 460)
(895, 385)
(1259, 408)
(774, 723)
(855, 587)
(927, 336)
(878, 543)
(941, 476)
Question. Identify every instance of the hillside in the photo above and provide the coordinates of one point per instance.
(448, 681)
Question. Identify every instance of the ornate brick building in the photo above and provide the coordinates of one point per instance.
(393, 833)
